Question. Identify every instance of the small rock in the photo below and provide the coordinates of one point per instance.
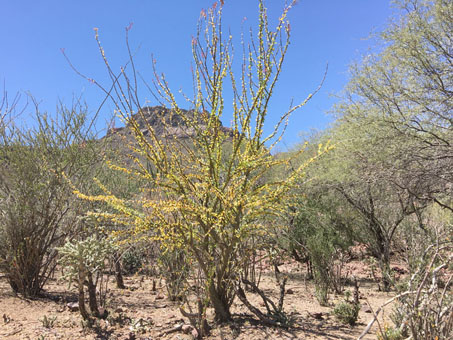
(317, 316)
(290, 291)
(186, 329)
(160, 297)
(366, 309)
(161, 306)
(73, 306)
(103, 313)
(6, 318)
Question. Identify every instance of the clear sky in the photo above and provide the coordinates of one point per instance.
(323, 31)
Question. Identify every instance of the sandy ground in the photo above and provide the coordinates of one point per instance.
(144, 314)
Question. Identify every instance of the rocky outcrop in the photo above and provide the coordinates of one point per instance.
(165, 123)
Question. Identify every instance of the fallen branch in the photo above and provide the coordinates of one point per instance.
(177, 328)
(376, 314)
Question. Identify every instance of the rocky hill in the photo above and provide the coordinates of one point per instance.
(164, 122)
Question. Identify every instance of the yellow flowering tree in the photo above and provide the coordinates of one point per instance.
(209, 185)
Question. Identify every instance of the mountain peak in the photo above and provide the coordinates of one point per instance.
(165, 122)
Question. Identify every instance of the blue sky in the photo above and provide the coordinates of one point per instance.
(322, 31)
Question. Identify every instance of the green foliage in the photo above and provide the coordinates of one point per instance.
(48, 322)
(319, 228)
(132, 260)
(400, 100)
(395, 131)
(37, 207)
(87, 256)
(393, 134)
(347, 312)
(390, 333)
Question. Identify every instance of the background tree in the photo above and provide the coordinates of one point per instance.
(37, 207)
(394, 130)
(407, 89)
(381, 205)
(319, 224)
(398, 111)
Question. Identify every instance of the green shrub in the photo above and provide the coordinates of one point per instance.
(174, 268)
(390, 333)
(48, 322)
(83, 263)
(347, 312)
(132, 260)
(322, 233)
(37, 207)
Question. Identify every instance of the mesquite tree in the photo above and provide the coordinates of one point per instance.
(407, 90)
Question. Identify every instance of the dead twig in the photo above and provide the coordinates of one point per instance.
(376, 314)
(175, 329)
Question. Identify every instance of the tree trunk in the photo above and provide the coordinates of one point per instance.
(382, 253)
(384, 263)
(221, 306)
(92, 295)
(118, 273)
(82, 309)
(309, 270)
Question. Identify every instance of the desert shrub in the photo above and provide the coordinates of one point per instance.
(425, 308)
(83, 262)
(395, 118)
(37, 206)
(174, 267)
(390, 333)
(323, 234)
(132, 260)
(347, 312)
(48, 321)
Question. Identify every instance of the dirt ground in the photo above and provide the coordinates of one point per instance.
(143, 314)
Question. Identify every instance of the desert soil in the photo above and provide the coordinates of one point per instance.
(141, 313)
